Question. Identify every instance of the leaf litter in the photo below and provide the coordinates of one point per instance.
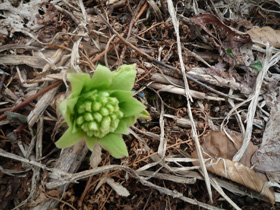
(196, 64)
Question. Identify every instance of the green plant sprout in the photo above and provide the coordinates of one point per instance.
(257, 65)
(100, 109)
(230, 53)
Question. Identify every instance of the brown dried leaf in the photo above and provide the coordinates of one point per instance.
(230, 38)
(217, 146)
(240, 174)
(266, 34)
(226, 38)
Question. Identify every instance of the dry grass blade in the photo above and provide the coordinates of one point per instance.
(267, 63)
(216, 185)
(157, 11)
(32, 98)
(5, 154)
(181, 91)
(194, 132)
(163, 141)
(162, 176)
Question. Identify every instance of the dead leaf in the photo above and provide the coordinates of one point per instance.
(95, 157)
(120, 190)
(221, 149)
(19, 19)
(49, 14)
(230, 38)
(265, 34)
(216, 144)
(219, 70)
(267, 157)
(100, 183)
(225, 38)
(240, 174)
(43, 196)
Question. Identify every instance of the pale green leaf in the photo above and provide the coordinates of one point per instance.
(114, 144)
(145, 115)
(91, 141)
(78, 82)
(131, 107)
(66, 108)
(101, 79)
(122, 128)
(123, 78)
(69, 138)
(122, 95)
(129, 120)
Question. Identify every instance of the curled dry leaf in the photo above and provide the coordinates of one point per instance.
(265, 34)
(217, 146)
(240, 174)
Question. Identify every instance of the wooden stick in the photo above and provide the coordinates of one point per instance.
(27, 101)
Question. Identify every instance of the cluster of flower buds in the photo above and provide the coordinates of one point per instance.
(98, 114)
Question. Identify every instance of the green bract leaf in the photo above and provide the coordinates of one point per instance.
(78, 82)
(102, 78)
(69, 138)
(123, 78)
(122, 95)
(129, 120)
(131, 107)
(145, 115)
(66, 108)
(122, 128)
(91, 141)
(114, 144)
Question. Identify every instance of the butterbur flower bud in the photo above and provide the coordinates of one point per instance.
(100, 109)
(97, 113)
